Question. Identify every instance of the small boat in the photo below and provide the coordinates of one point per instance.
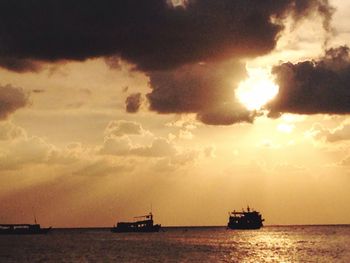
(22, 229)
(245, 220)
(142, 224)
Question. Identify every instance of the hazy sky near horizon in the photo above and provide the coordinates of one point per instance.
(108, 107)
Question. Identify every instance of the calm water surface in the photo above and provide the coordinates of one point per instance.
(269, 244)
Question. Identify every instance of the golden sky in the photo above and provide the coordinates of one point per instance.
(184, 119)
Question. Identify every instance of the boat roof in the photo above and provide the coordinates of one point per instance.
(244, 212)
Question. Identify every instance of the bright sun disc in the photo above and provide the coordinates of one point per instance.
(257, 90)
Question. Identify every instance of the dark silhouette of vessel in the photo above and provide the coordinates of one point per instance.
(245, 220)
(22, 229)
(143, 225)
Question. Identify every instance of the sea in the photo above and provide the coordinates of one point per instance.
(182, 244)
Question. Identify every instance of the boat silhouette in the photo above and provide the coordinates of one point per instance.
(144, 225)
(22, 229)
(245, 220)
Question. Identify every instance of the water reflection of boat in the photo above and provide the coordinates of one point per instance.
(22, 229)
(245, 220)
(143, 225)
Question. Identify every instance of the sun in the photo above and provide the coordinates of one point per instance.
(257, 90)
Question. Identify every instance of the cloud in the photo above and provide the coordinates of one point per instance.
(313, 87)
(121, 138)
(209, 151)
(189, 49)
(178, 3)
(19, 150)
(11, 99)
(194, 88)
(227, 114)
(340, 133)
(159, 148)
(185, 134)
(184, 121)
(123, 146)
(204, 89)
(123, 127)
(9, 132)
(16, 154)
(72, 153)
(133, 102)
(170, 164)
(19, 65)
(205, 85)
(116, 146)
(101, 168)
(151, 34)
(345, 161)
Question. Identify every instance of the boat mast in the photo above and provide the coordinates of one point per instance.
(34, 215)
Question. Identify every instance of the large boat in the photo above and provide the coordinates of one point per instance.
(141, 224)
(245, 220)
(22, 229)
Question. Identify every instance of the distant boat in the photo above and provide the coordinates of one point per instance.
(143, 225)
(245, 220)
(22, 229)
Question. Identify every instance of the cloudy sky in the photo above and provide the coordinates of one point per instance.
(195, 107)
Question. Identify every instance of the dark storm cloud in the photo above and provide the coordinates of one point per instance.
(312, 87)
(186, 51)
(151, 34)
(194, 88)
(133, 102)
(302, 8)
(18, 65)
(227, 114)
(11, 99)
(205, 89)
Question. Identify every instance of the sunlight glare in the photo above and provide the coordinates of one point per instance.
(257, 90)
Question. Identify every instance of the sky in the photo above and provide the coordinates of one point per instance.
(191, 108)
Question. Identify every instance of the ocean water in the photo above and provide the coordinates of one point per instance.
(204, 244)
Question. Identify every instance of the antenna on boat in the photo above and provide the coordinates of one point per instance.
(34, 215)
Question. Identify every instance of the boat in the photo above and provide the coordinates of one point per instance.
(245, 220)
(22, 229)
(141, 224)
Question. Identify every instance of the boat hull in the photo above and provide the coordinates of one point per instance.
(243, 227)
(24, 231)
(154, 228)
